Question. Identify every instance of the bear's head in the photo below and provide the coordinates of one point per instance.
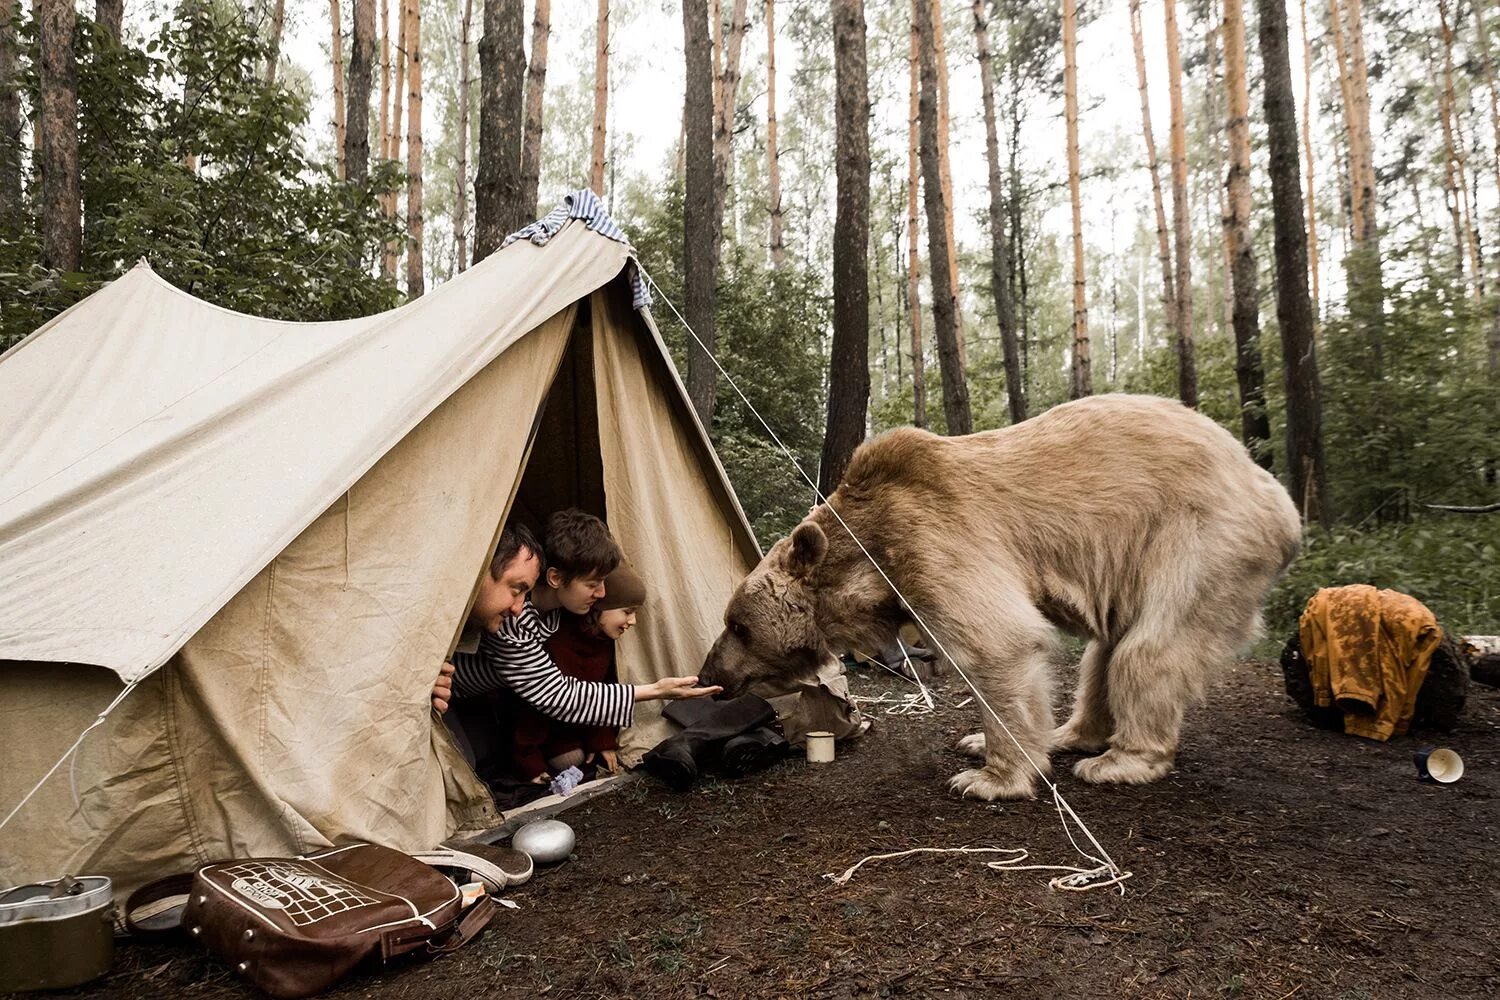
(805, 600)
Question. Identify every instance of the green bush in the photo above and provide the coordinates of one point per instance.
(1451, 564)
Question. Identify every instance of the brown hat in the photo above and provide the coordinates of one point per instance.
(622, 589)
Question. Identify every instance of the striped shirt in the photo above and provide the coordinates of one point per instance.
(513, 657)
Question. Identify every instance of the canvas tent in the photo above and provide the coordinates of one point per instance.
(270, 531)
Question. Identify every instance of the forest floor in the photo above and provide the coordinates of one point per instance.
(1276, 861)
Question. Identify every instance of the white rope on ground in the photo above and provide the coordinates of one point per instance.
(1105, 865)
(1078, 879)
(67, 754)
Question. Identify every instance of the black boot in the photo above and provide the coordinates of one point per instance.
(752, 751)
(708, 725)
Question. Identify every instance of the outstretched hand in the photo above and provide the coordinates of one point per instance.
(442, 688)
(676, 689)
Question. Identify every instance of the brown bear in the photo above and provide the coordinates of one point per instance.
(1129, 520)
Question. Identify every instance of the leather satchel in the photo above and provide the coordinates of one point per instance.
(295, 926)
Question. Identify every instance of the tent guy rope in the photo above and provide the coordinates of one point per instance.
(1106, 872)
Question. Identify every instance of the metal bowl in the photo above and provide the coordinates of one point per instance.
(547, 841)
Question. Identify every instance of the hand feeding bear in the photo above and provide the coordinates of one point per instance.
(1129, 520)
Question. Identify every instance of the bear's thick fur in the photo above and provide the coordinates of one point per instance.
(1130, 520)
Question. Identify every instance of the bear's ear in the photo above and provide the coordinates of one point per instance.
(809, 545)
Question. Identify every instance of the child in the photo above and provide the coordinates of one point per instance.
(583, 647)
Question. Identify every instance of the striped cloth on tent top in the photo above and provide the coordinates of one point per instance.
(584, 204)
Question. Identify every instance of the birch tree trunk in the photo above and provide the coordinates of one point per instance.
(109, 15)
(773, 156)
(461, 204)
(1364, 266)
(1000, 279)
(849, 357)
(1468, 240)
(415, 281)
(1255, 422)
(1082, 371)
(1187, 369)
(339, 126)
(601, 96)
(499, 202)
(361, 70)
(945, 173)
(278, 25)
(1163, 247)
(536, 87)
(383, 143)
(392, 253)
(700, 234)
(57, 137)
(944, 312)
(914, 229)
(728, 96)
(10, 119)
(1307, 154)
(1294, 315)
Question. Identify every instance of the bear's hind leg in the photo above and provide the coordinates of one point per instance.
(1017, 689)
(1092, 722)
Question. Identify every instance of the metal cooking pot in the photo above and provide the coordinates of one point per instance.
(56, 934)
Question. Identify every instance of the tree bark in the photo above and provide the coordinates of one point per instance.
(945, 173)
(1307, 153)
(278, 24)
(1163, 247)
(944, 313)
(700, 234)
(57, 137)
(339, 121)
(392, 254)
(1364, 266)
(108, 14)
(461, 205)
(1468, 240)
(728, 96)
(914, 230)
(384, 141)
(1255, 422)
(1187, 368)
(773, 156)
(1000, 279)
(10, 119)
(1294, 315)
(499, 201)
(536, 88)
(601, 96)
(361, 78)
(1082, 383)
(1493, 354)
(849, 358)
(415, 281)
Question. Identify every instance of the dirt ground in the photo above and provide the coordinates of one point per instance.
(1276, 861)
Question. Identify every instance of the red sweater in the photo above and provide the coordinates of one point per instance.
(535, 737)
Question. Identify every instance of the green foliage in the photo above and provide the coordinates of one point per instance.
(258, 227)
(771, 325)
(1451, 564)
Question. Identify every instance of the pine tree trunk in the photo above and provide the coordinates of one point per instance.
(1000, 278)
(773, 156)
(914, 231)
(10, 119)
(1364, 266)
(1164, 250)
(461, 205)
(361, 70)
(1294, 315)
(108, 14)
(415, 281)
(1452, 192)
(339, 127)
(384, 141)
(1214, 112)
(700, 235)
(499, 202)
(57, 137)
(849, 358)
(1307, 153)
(278, 25)
(1255, 423)
(536, 87)
(945, 172)
(1082, 372)
(728, 96)
(601, 96)
(1187, 369)
(392, 254)
(1468, 241)
(1493, 358)
(944, 313)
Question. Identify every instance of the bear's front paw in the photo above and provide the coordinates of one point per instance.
(989, 785)
(1122, 768)
(972, 745)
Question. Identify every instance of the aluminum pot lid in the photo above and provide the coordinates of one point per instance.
(35, 901)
